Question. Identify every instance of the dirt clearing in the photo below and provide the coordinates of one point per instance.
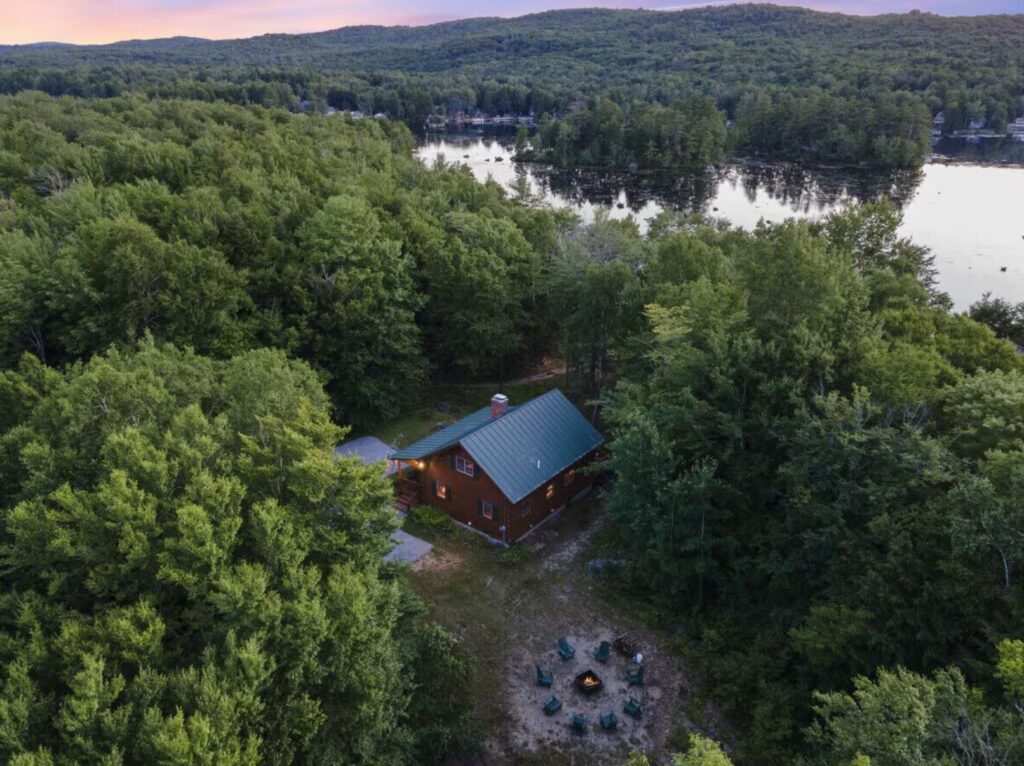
(509, 616)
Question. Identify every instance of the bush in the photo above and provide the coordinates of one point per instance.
(515, 555)
(432, 518)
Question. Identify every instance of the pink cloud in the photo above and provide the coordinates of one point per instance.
(96, 21)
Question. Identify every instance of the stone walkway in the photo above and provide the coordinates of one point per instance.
(408, 549)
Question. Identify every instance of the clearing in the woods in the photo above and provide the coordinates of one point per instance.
(508, 609)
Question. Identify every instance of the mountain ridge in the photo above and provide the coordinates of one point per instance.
(424, 30)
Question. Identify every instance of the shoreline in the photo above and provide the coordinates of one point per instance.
(945, 159)
(506, 140)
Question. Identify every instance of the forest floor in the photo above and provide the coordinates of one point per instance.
(508, 611)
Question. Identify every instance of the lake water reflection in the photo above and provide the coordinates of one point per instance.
(970, 216)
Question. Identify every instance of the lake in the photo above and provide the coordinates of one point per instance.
(970, 216)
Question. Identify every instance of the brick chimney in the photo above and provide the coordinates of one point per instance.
(499, 406)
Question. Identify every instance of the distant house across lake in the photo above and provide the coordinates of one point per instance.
(504, 469)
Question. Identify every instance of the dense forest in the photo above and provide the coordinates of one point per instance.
(818, 479)
(817, 468)
(688, 134)
(884, 132)
(224, 229)
(187, 575)
(796, 83)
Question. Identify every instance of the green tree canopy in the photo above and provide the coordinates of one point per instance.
(816, 466)
(190, 576)
(224, 229)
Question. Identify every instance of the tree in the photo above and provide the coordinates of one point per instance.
(667, 514)
(417, 105)
(990, 516)
(522, 140)
(189, 575)
(900, 718)
(816, 478)
(688, 134)
(984, 412)
(481, 274)
(593, 283)
(702, 752)
(355, 305)
(870, 235)
(119, 280)
(24, 313)
(225, 228)
(905, 718)
(1006, 319)
(1010, 669)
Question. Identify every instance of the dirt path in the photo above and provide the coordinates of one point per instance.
(511, 617)
(554, 372)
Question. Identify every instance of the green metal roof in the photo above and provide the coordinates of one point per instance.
(523, 448)
(447, 437)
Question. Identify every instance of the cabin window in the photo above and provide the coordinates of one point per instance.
(442, 491)
(524, 508)
(550, 491)
(570, 477)
(486, 509)
(465, 466)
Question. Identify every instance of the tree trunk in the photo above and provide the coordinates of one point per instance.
(38, 344)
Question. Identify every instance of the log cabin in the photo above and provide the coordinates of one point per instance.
(503, 470)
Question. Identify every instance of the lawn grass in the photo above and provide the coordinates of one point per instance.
(471, 599)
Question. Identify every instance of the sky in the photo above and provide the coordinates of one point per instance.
(101, 21)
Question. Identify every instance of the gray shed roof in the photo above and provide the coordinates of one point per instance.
(369, 449)
(523, 448)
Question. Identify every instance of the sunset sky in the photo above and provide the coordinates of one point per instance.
(97, 21)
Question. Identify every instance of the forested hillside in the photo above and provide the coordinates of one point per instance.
(797, 83)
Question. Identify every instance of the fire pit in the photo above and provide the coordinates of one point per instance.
(589, 682)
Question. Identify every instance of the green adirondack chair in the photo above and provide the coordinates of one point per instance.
(633, 707)
(544, 677)
(609, 721)
(635, 677)
(579, 722)
(603, 652)
(553, 705)
(565, 650)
